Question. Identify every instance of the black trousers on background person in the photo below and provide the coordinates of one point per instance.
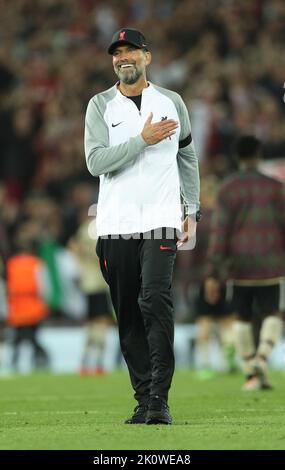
(139, 273)
(29, 334)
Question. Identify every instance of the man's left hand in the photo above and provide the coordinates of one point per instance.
(189, 226)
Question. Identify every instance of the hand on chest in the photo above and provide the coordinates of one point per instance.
(125, 120)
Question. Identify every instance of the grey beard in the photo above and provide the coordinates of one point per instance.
(129, 78)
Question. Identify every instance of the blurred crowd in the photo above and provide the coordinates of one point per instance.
(225, 57)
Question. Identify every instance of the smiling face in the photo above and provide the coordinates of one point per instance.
(130, 63)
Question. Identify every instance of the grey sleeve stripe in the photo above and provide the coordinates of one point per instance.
(187, 160)
(189, 175)
(100, 157)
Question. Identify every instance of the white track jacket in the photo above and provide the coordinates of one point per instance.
(140, 185)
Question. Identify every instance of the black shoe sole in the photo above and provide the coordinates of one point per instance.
(133, 422)
(157, 418)
(266, 386)
(157, 421)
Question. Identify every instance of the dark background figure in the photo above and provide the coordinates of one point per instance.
(248, 246)
(214, 320)
(25, 297)
(99, 313)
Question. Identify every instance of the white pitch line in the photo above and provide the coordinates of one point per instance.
(254, 410)
(43, 398)
(57, 412)
(30, 398)
(65, 412)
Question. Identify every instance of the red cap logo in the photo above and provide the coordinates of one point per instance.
(122, 35)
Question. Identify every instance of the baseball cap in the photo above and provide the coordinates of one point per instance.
(127, 36)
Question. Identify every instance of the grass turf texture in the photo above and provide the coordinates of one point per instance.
(43, 411)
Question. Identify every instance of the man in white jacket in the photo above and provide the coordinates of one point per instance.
(138, 140)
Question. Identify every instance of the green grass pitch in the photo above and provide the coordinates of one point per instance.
(45, 411)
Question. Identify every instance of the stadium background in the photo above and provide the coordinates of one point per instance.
(226, 58)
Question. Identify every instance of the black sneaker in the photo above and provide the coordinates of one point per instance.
(139, 415)
(261, 370)
(158, 412)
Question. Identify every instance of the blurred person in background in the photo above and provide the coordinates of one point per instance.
(19, 155)
(138, 140)
(4, 254)
(247, 245)
(99, 311)
(64, 295)
(25, 287)
(213, 318)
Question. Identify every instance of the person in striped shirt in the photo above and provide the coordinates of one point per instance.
(247, 246)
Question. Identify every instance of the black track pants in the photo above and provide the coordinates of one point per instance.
(139, 274)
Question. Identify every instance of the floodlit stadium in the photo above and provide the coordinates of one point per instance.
(76, 172)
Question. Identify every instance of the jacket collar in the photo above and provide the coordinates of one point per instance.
(146, 91)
